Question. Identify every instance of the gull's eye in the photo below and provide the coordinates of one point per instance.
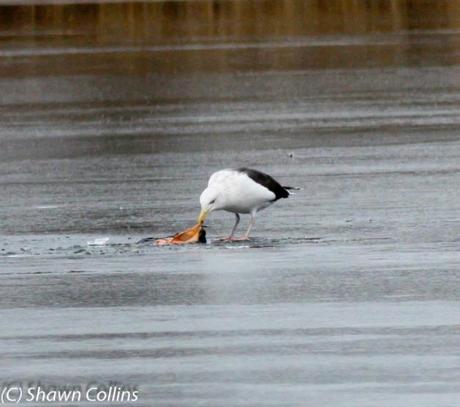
(212, 201)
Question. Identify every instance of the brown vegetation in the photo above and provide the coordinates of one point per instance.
(157, 21)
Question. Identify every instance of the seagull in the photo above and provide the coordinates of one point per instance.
(241, 190)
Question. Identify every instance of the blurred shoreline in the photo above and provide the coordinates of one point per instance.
(161, 20)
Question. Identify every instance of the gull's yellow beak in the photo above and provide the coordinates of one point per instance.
(203, 215)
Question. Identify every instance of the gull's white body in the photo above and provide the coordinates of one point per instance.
(240, 194)
(240, 191)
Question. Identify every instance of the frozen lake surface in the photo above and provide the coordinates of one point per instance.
(349, 293)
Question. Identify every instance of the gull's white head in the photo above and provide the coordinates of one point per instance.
(210, 200)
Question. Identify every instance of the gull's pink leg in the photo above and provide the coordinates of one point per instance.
(231, 238)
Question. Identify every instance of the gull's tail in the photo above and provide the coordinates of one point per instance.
(289, 189)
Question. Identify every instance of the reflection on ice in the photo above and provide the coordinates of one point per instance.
(101, 241)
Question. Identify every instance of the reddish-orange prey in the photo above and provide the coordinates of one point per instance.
(195, 234)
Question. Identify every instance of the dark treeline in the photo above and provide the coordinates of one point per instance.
(207, 18)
